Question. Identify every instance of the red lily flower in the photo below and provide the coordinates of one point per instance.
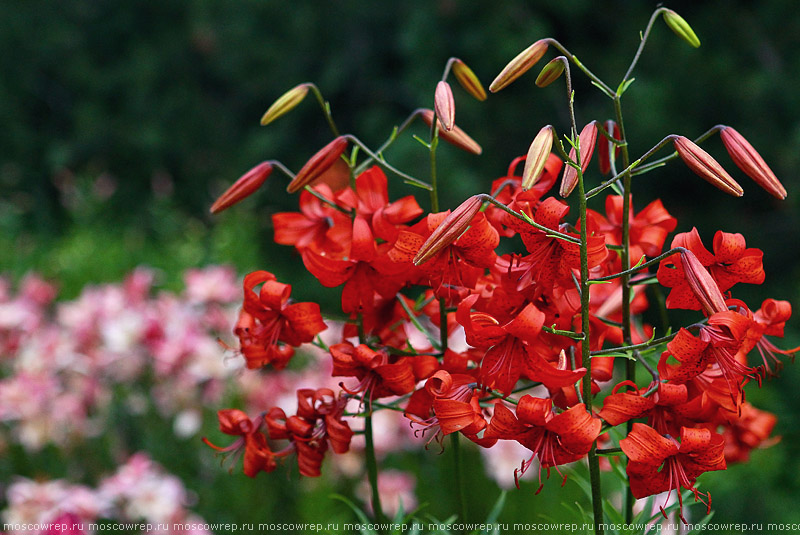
(454, 269)
(375, 371)
(698, 451)
(257, 455)
(619, 407)
(551, 260)
(716, 345)
(751, 430)
(317, 426)
(555, 438)
(318, 225)
(730, 263)
(370, 200)
(268, 320)
(507, 350)
(447, 404)
(769, 319)
(367, 272)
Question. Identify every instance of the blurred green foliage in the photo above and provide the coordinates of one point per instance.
(123, 121)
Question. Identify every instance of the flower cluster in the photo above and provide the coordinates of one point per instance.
(139, 491)
(63, 361)
(466, 338)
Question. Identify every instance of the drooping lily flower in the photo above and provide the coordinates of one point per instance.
(770, 319)
(555, 439)
(731, 262)
(251, 441)
(377, 374)
(269, 327)
(317, 426)
(660, 464)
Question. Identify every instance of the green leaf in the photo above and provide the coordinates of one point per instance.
(362, 516)
(624, 86)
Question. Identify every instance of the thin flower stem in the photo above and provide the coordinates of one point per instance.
(568, 334)
(645, 35)
(640, 267)
(643, 345)
(417, 324)
(586, 360)
(326, 108)
(625, 258)
(550, 232)
(662, 161)
(327, 201)
(462, 499)
(392, 138)
(383, 163)
(372, 465)
(593, 77)
(609, 451)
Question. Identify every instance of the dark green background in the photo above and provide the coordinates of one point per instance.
(161, 100)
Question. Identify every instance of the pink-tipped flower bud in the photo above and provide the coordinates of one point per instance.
(285, 103)
(586, 143)
(449, 230)
(456, 136)
(444, 105)
(751, 163)
(681, 28)
(606, 148)
(702, 284)
(538, 154)
(242, 188)
(551, 72)
(519, 65)
(706, 167)
(468, 80)
(318, 164)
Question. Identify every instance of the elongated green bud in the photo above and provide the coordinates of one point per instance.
(468, 80)
(681, 28)
(285, 103)
(550, 72)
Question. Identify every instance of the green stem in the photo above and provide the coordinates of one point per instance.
(586, 360)
(643, 345)
(372, 466)
(462, 499)
(326, 109)
(383, 163)
(524, 217)
(630, 365)
(641, 266)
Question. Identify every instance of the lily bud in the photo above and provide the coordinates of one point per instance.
(444, 105)
(519, 65)
(538, 153)
(285, 103)
(586, 143)
(706, 167)
(242, 188)
(702, 284)
(468, 80)
(456, 136)
(318, 164)
(606, 147)
(750, 162)
(550, 72)
(449, 230)
(681, 28)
